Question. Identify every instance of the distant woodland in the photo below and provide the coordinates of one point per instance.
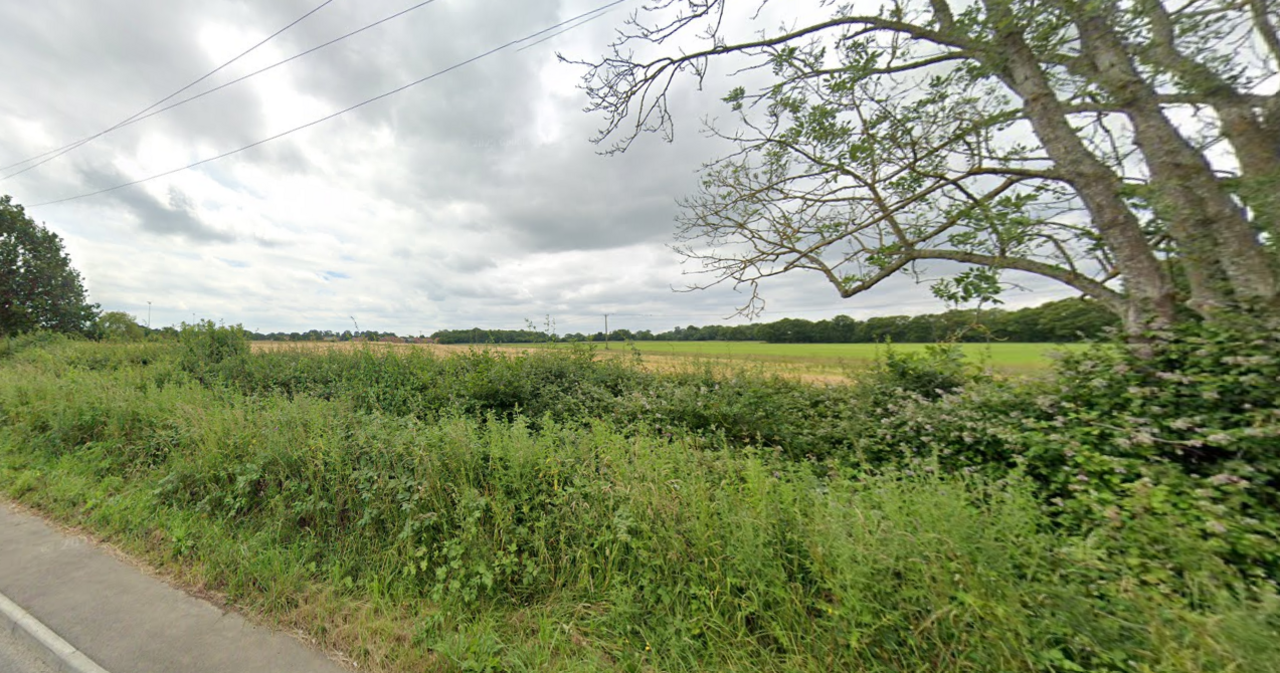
(1061, 321)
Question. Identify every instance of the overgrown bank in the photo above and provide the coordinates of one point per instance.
(554, 512)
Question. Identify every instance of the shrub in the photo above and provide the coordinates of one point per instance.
(940, 369)
(206, 348)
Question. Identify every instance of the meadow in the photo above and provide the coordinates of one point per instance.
(556, 510)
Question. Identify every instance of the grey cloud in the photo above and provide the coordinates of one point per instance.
(462, 262)
(487, 176)
(108, 68)
(177, 218)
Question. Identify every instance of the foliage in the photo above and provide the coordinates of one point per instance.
(941, 369)
(1002, 135)
(119, 326)
(208, 348)
(1061, 321)
(39, 289)
(504, 545)
(1182, 428)
(1187, 423)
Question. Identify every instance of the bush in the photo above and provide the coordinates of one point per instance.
(1178, 433)
(39, 340)
(939, 370)
(1185, 425)
(207, 348)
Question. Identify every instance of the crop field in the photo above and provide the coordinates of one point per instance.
(1011, 355)
(459, 509)
(826, 363)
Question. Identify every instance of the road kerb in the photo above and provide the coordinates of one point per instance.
(56, 652)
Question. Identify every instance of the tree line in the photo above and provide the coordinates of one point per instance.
(1066, 320)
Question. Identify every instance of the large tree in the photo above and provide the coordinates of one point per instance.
(38, 287)
(1129, 149)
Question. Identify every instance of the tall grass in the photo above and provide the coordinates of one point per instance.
(496, 513)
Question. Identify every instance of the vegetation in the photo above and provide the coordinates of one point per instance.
(119, 326)
(548, 510)
(39, 289)
(1062, 321)
(1051, 138)
(552, 511)
(841, 360)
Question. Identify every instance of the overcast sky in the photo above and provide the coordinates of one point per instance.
(473, 199)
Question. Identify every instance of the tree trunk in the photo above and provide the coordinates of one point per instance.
(1244, 124)
(1147, 284)
(1211, 231)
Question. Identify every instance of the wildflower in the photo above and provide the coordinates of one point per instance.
(1225, 479)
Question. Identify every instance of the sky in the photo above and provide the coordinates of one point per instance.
(473, 199)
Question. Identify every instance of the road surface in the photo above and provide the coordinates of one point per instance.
(17, 657)
(127, 621)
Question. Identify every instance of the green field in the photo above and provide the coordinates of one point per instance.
(827, 360)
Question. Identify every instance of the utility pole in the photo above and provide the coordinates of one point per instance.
(606, 331)
(148, 315)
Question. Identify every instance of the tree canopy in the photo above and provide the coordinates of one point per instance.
(119, 326)
(38, 287)
(1065, 320)
(1129, 149)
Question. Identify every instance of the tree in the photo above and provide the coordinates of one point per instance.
(120, 326)
(38, 287)
(1129, 149)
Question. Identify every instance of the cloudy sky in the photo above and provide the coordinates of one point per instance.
(473, 199)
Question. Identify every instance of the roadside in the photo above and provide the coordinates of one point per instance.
(127, 621)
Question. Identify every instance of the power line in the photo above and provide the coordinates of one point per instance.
(138, 115)
(836, 309)
(339, 113)
(562, 32)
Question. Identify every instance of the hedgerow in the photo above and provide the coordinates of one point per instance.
(553, 511)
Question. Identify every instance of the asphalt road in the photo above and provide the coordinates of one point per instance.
(127, 621)
(17, 657)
